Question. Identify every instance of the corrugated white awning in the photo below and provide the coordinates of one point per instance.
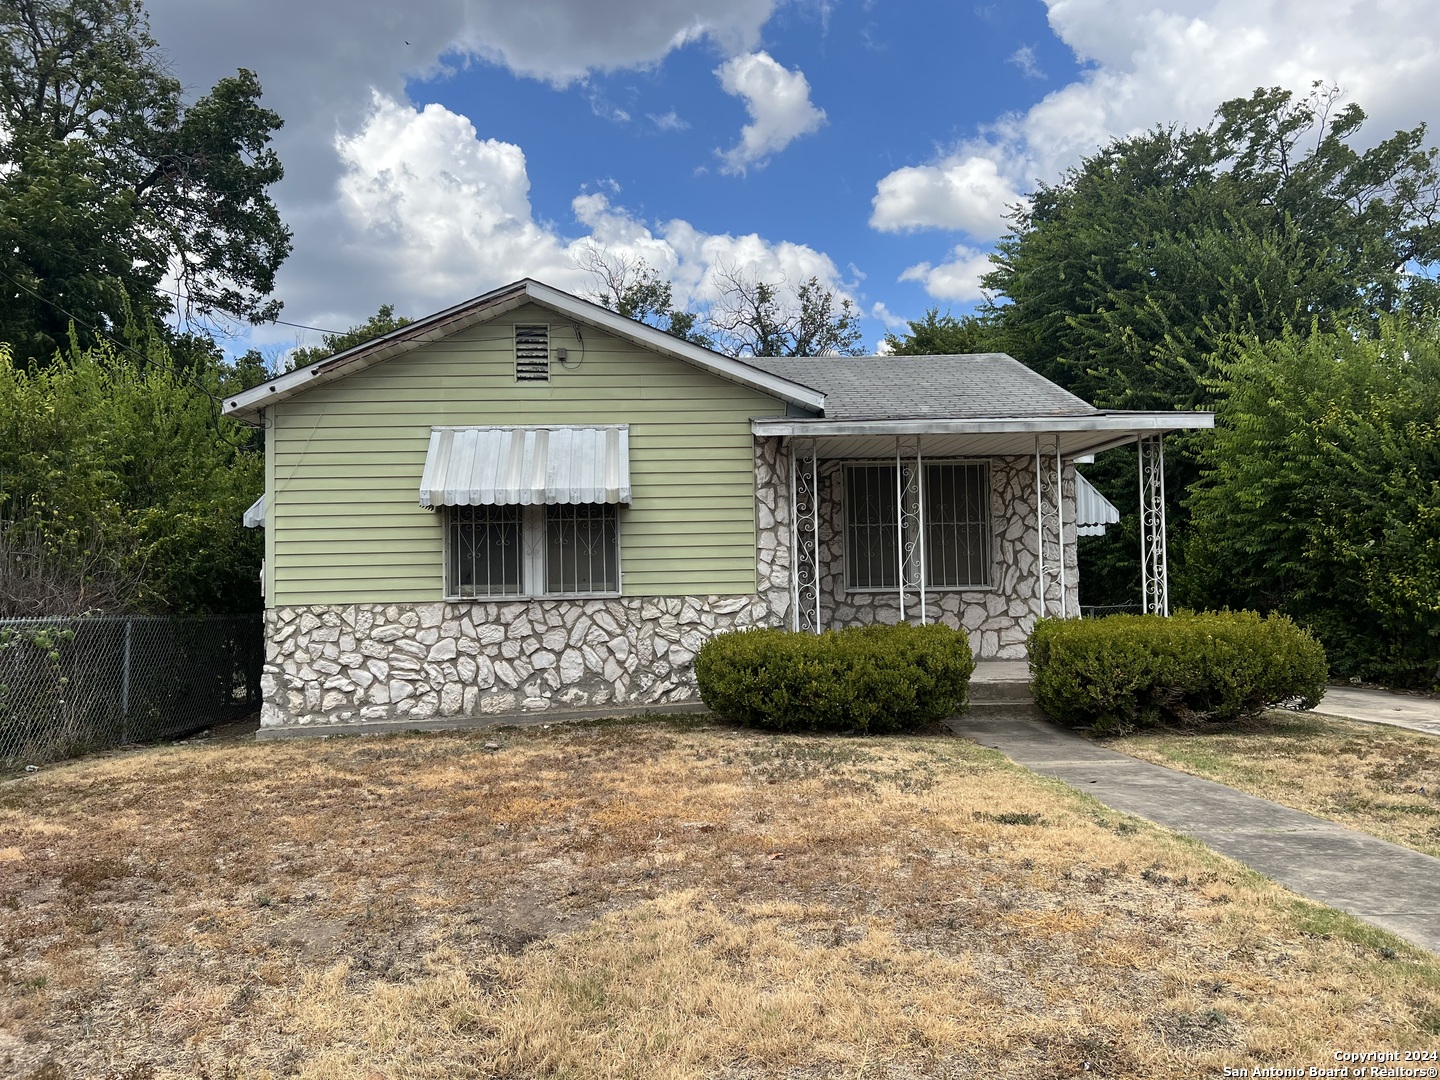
(526, 466)
(1092, 510)
(255, 516)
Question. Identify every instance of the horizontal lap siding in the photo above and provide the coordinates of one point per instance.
(345, 462)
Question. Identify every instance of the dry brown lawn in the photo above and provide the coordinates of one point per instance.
(649, 900)
(1381, 780)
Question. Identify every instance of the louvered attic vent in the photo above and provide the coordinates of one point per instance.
(532, 354)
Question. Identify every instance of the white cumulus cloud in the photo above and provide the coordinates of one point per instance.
(958, 279)
(965, 193)
(778, 101)
(431, 213)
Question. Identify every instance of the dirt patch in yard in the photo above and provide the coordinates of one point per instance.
(648, 900)
(1378, 779)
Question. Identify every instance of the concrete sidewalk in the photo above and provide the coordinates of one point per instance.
(1390, 886)
(1382, 707)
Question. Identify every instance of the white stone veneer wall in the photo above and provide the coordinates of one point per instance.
(388, 662)
(359, 662)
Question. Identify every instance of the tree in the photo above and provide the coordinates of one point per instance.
(123, 484)
(944, 335)
(629, 286)
(1126, 280)
(109, 182)
(752, 317)
(382, 322)
(748, 317)
(1320, 493)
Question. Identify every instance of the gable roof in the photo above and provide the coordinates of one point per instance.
(482, 309)
(961, 387)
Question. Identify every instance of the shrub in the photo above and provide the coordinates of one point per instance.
(1127, 671)
(865, 678)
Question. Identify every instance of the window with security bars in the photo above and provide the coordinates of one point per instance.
(486, 557)
(532, 550)
(582, 549)
(956, 525)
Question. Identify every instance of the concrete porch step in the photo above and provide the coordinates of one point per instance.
(1000, 682)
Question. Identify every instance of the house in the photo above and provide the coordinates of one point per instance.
(529, 502)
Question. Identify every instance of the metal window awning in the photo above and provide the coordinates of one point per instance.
(255, 516)
(526, 466)
(1092, 510)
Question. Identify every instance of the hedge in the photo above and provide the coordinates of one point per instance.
(1128, 671)
(866, 678)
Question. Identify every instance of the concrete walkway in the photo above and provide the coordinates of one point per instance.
(1390, 886)
(1382, 707)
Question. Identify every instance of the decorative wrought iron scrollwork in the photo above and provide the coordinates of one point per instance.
(912, 548)
(1154, 568)
(805, 538)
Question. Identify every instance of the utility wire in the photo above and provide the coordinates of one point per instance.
(279, 322)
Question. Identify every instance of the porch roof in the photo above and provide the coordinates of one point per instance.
(982, 436)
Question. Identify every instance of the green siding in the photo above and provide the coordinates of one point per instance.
(344, 461)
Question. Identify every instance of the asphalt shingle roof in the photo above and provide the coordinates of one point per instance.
(961, 387)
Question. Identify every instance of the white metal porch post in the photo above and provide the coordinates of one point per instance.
(1154, 544)
(1060, 524)
(794, 542)
(1039, 532)
(920, 521)
(900, 527)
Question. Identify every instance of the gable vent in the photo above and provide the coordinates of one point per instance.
(532, 353)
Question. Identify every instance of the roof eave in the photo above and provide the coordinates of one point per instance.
(1130, 423)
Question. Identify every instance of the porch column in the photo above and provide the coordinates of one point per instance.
(909, 523)
(1154, 551)
(804, 536)
(1050, 578)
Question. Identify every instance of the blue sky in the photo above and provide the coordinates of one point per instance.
(435, 153)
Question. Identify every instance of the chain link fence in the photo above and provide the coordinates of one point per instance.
(1099, 611)
(72, 685)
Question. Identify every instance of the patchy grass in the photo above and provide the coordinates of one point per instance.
(1379, 779)
(649, 900)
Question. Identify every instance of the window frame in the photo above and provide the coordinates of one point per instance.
(534, 522)
(991, 577)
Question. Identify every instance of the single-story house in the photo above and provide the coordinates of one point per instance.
(527, 501)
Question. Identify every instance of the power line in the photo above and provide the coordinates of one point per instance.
(279, 322)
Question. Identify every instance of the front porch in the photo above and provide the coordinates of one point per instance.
(968, 523)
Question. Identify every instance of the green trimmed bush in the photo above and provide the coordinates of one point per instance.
(866, 678)
(1127, 671)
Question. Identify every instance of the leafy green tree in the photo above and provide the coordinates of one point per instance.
(382, 322)
(1125, 280)
(944, 335)
(1320, 493)
(120, 469)
(109, 181)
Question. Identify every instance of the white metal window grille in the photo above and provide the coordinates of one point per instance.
(532, 353)
(871, 524)
(582, 549)
(486, 557)
(957, 525)
(532, 550)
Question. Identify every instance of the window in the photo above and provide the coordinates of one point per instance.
(956, 525)
(532, 353)
(532, 550)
